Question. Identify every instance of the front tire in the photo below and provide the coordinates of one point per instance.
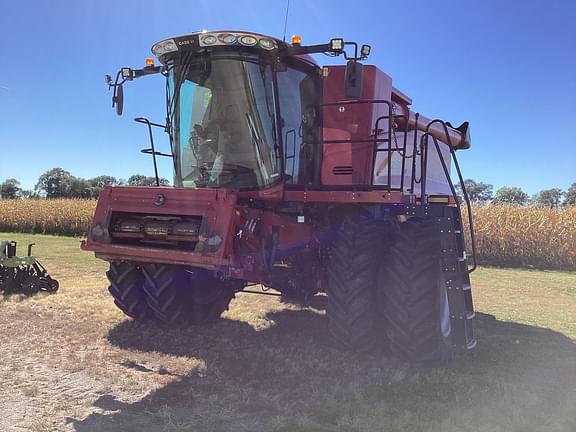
(413, 298)
(179, 295)
(352, 271)
(126, 289)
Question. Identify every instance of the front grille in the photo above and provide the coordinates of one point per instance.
(129, 228)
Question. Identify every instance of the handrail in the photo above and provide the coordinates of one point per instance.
(152, 150)
(424, 145)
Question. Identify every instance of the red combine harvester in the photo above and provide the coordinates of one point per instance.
(298, 177)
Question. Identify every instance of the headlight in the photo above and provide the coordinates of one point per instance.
(227, 38)
(248, 40)
(209, 40)
(267, 44)
(164, 47)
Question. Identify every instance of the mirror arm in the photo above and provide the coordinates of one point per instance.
(128, 74)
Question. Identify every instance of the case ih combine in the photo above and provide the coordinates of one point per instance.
(298, 177)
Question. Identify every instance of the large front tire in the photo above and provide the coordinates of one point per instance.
(352, 271)
(413, 298)
(179, 295)
(126, 288)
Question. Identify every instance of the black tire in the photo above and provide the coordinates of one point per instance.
(126, 288)
(179, 295)
(412, 296)
(352, 273)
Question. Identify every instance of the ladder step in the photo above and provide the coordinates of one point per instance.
(471, 344)
(464, 316)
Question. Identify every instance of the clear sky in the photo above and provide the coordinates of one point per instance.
(508, 67)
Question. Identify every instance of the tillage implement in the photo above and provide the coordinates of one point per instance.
(297, 177)
(23, 274)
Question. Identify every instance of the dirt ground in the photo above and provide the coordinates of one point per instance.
(72, 362)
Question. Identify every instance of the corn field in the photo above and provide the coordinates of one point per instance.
(526, 236)
(69, 217)
(505, 236)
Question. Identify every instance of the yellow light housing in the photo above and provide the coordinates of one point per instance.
(149, 61)
(296, 40)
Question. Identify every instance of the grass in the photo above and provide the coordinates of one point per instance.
(71, 361)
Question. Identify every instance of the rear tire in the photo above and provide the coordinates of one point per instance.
(179, 295)
(126, 288)
(412, 296)
(352, 272)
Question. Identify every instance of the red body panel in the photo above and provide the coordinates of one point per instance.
(242, 229)
(216, 207)
(351, 162)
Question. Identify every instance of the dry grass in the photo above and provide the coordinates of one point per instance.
(72, 362)
(506, 236)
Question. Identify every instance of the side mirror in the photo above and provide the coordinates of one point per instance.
(353, 79)
(118, 99)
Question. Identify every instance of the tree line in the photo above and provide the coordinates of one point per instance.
(483, 193)
(59, 183)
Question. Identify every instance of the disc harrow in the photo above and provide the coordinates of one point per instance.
(23, 275)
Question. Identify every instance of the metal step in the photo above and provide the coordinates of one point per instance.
(471, 344)
(465, 316)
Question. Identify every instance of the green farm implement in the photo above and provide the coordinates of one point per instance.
(23, 274)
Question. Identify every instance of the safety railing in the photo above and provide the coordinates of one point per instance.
(419, 154)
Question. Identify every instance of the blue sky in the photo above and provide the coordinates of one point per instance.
(508, 67)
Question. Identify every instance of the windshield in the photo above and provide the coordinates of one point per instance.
(221, 110)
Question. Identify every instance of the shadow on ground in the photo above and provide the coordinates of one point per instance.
(257, 380)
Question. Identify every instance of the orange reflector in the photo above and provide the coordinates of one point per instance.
(296, 40)
(149, 61)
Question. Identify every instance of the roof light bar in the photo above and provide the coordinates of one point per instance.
(246, 39)
(164, 47)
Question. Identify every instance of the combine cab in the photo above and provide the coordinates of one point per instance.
(298, 177)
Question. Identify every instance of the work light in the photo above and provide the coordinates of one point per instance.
(336, 44)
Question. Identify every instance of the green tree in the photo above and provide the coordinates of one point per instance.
(142, 180)
(510, 195)
(104, 180)
(55, 183)
(548, 198)
(570, 196)
(477, 191)
(81, 188)
(28, 194)
(10, 189)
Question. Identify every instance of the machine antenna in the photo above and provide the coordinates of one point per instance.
(286, 20)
